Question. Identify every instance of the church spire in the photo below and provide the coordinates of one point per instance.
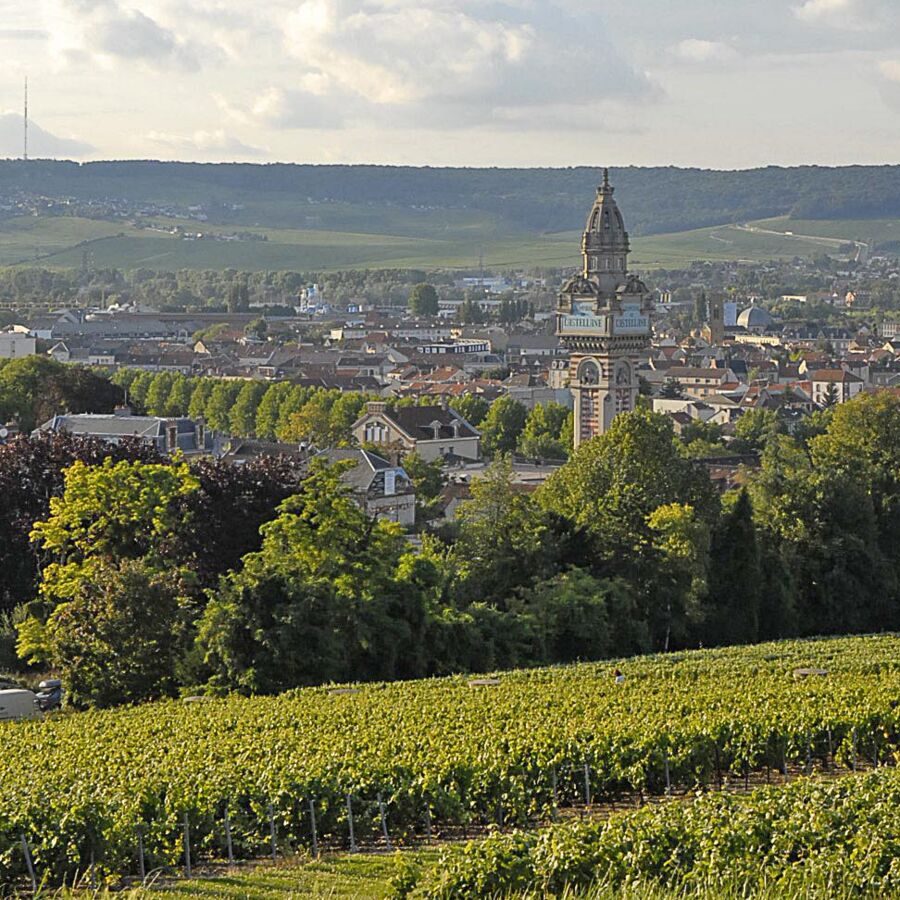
(605, 186)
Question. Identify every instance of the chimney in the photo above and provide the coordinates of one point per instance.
(122, 411)
(376, 407)
(200, 431)
(171, 436)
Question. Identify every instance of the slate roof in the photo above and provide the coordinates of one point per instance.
(417, 421)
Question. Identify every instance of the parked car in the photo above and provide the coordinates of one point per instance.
(17, 703)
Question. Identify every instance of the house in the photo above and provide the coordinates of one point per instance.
(188, 436)
(700, 382)
(434, 432)
(14, 345)
(383, 489)
(834, 386)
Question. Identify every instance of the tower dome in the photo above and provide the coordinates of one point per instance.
(605, 243)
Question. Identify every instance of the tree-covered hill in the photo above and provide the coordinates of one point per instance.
(399, 199)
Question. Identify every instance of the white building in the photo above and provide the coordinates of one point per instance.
(14, 345)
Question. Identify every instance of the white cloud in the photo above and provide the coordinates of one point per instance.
(850, 14)
(695, 50)
(106, 31)
(438, 63)
(890, 69)
(288, 108)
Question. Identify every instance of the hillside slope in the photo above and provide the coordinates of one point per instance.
(439, 202)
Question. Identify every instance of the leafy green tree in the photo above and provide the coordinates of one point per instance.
(108, 516)
(612, 483)
(504, 539)
(610, 489)
(345, 410)
(137, 393)
(158, 393)
(502, 426)
(331, 593)
(242, 418)
(735, 577)
(423, 300)
(577, 617)
(292, 404)
(824, 524)
(312, 422)
(258, 328)
(221, 400)
(471, 407)
(681, 542)
(116, 638)
(202, 391)
(755, 428)
(542, 435)
(35, 388)
(179, 399)
(31, 473)
(269, 409)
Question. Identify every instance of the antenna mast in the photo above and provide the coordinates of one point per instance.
(25, 123)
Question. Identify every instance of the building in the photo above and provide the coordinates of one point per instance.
(434, 432)
(14, 345)
(189, 436)
(381, 488)
(834, 386)
(755, 319)
(603, 319)
(702, 382)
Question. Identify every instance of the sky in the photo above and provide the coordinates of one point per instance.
(712, 83)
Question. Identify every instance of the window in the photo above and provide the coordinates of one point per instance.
(376, 433)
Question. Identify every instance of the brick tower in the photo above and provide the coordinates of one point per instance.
(603, 319)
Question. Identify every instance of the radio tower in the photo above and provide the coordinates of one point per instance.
(25, 123)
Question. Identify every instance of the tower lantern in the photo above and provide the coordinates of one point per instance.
(603, 319)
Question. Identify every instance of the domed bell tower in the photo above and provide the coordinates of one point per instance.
(603, 319)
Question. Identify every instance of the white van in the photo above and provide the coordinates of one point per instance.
(18, 704)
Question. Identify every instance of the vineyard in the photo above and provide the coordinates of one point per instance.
(132, 789)
(842, 838)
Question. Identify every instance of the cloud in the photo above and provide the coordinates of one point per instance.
(105, 31)
(22, 34)
(289, 108)
(695, 50)
(890, 69)
(850, 14)
(205, 143)
(41, 143)
(431, 62)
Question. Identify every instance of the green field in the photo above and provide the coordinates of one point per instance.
(438, 751)
(407, 240)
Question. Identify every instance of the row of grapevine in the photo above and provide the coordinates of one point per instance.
(843, 833)
(443, 751)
